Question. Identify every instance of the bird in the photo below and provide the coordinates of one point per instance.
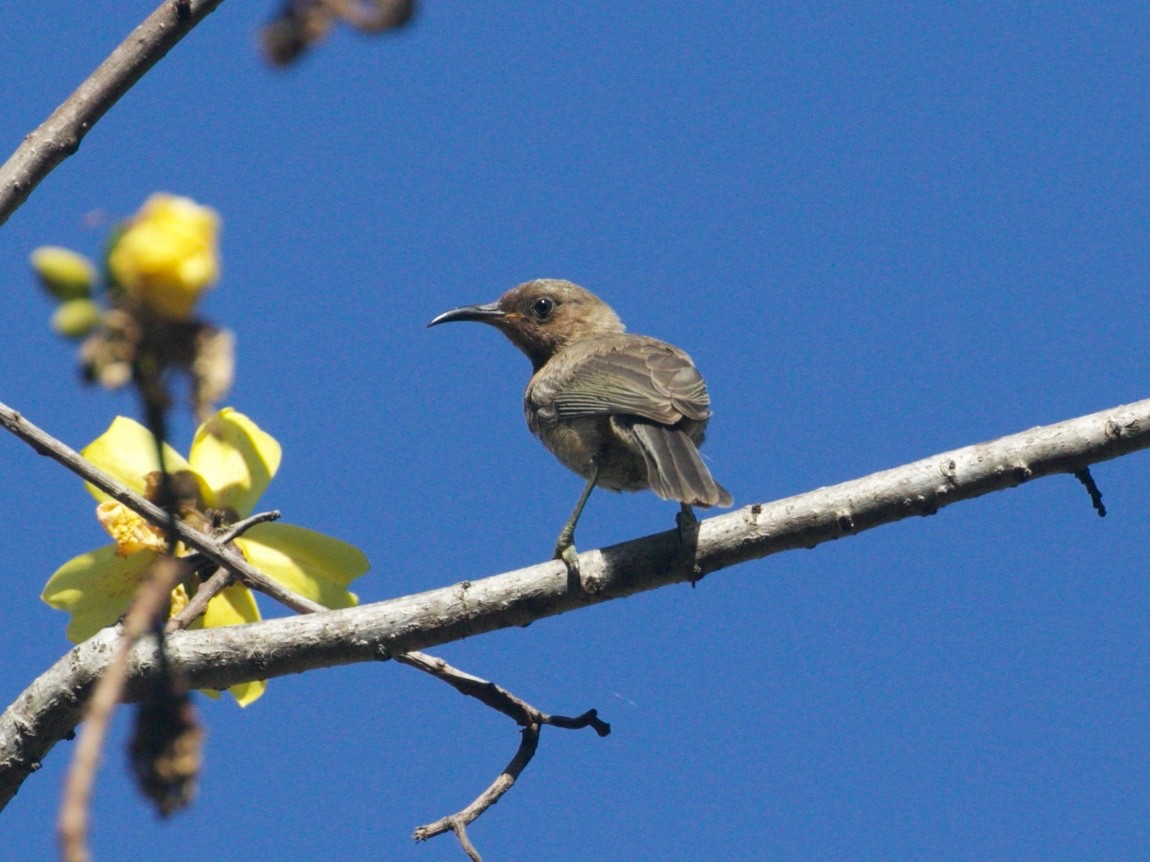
(626, 412)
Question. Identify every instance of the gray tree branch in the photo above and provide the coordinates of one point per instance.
(60, 135)
(48, 710)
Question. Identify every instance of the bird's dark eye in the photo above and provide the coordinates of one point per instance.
(542, 307)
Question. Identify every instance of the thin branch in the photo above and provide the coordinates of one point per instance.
(149, 604)
(60, 135)
(219, 658)
(501, 700)
(240, 527)
(457, 822)
(210, 548)
(220, 580)
(497, 697)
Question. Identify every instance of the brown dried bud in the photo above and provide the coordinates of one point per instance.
(166, 749)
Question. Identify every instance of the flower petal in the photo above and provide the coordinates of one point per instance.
(95, 588)
(236, 459)
(127, 450)
(233, 606)
(247, 693)
(306, 562)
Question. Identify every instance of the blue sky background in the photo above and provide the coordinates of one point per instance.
(881, 231)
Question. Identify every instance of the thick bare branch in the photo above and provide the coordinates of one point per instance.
(60, 135)
(218, 658)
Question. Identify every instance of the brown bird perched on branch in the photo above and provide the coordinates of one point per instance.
(626, 412)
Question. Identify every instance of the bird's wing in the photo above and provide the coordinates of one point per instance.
(635, 375)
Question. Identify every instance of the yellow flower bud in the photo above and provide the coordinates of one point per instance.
(75, 318)
(64, 273)
(167, 255)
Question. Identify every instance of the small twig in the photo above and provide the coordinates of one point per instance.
(60, 135)
(148, 607)
(1087, 479)
(460, 831)
(220, 580)
(498, 698)
(210, 548)
(230, 532)
(457, 822)
(154, 395)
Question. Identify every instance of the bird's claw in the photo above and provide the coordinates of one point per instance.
(688, 524)
(570, 557)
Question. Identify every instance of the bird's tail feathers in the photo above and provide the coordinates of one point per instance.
(675, 470)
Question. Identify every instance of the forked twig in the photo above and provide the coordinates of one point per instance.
(220, 579)
(459, 821)
(523, 713)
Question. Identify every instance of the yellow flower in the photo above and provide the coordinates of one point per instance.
(232, 461)
(167, 255)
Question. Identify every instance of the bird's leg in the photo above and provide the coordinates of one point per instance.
(686, 520)
(688, 524)
(565, 544)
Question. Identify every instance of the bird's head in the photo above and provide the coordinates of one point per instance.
(542, 316)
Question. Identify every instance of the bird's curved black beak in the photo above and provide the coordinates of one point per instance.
(488, 313)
